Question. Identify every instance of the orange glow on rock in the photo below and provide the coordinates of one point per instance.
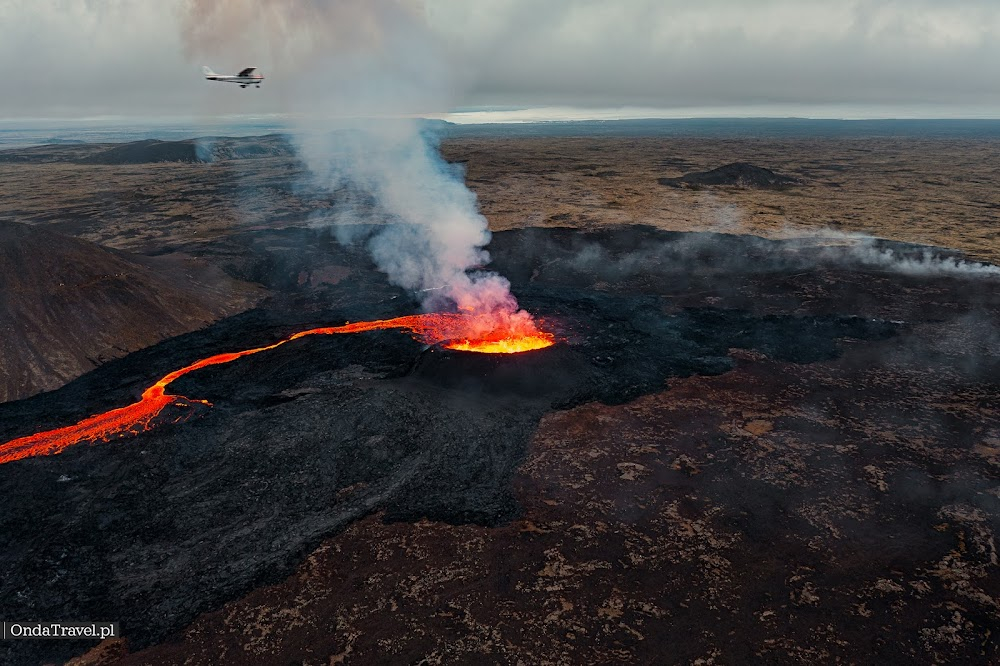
(491, 333)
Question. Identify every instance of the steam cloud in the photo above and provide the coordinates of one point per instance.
(869, 251)
(355, 74)
(834, 246)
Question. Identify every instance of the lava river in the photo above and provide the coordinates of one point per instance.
(491, 334)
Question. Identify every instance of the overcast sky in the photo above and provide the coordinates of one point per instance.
(82, 58)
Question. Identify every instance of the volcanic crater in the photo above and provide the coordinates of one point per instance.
(330, 433)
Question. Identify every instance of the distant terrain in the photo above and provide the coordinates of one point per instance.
(924, 182)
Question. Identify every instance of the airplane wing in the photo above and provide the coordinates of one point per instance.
(246, 72)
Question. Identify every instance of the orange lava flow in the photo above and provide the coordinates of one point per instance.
(464, 332)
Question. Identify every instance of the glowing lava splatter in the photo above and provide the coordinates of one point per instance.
(490, 334)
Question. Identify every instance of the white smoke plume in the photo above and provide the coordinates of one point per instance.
(437, 234)
(873, 252)
(366, 68)
(862, 249)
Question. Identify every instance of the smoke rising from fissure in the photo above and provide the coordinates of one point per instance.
(862, 249)
(827, 248)
(869, 251)
(355, 74)
(432, 237)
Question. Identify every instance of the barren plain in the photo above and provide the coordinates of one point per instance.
(937, 191)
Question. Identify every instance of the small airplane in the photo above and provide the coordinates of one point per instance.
(245, 78)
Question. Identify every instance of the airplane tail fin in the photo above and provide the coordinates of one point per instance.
(207, 71)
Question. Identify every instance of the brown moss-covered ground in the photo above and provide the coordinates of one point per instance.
(940, 191)
(67, 305)
(778, 513)
(934, 191)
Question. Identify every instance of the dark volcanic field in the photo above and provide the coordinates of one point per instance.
(306, 439)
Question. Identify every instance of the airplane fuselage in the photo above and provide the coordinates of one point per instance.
(245, 77)
(242, 80)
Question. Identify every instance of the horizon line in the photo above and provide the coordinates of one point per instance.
(483, 118)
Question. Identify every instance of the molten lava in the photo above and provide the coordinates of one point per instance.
(496, 333)
(509, 345)
(493, 333)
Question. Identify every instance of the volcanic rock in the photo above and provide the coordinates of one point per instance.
(68, 305)
(735, 440)
(49, 153)
(205, 149)
(737, 174)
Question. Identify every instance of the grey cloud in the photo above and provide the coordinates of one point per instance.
(84, 57)
(724, 52)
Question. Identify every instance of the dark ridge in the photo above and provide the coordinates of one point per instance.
(48, 153)
(149, 150)
(204, 149)
(738, 174)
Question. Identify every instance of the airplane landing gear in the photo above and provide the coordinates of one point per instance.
(242, 86)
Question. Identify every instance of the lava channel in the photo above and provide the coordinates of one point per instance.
(489, 334)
